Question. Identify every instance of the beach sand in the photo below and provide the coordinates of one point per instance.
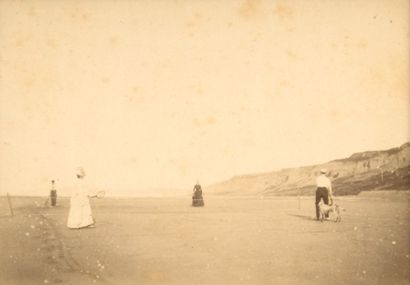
(229, 241)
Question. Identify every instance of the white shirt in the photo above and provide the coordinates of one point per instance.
(324, 181)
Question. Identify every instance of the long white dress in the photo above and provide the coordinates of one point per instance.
(80, 214)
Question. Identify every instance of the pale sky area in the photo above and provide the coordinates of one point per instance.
(158, 94)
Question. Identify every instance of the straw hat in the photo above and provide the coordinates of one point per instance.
(80, 172)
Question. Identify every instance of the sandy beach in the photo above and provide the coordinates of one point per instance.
(229, 241)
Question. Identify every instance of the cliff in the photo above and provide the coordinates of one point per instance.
(364, 171)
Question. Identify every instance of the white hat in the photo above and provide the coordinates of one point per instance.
(80, 172)
(324, 171)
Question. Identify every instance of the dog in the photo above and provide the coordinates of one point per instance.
(325, 210)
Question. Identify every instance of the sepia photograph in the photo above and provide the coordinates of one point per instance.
(183, 142)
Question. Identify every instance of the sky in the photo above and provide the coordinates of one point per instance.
(159, 94)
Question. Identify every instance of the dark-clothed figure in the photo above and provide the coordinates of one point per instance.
(197, 199)
(53, 194)
(323, 191)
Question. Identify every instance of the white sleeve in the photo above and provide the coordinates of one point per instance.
(330, 188)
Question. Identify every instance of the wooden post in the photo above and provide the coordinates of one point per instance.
(300, 194)
(10, 206)
(299, 202)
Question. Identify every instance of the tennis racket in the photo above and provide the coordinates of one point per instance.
(99, 195)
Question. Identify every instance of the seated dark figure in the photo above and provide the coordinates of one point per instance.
(197, 200)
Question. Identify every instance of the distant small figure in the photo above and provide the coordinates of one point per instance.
(53, 194)
(80, 215)
(197, 199)
(323, 191)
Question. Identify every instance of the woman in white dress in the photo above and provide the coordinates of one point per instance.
(80, 215)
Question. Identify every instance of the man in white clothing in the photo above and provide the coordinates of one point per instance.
(323, 191)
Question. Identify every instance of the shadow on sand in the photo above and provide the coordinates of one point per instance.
(304, 217)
